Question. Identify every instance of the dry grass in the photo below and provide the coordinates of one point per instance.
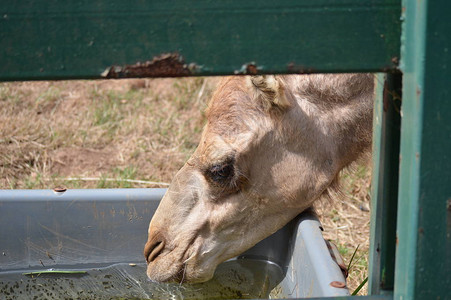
(128, 129)
(130, 133)
(346, 222)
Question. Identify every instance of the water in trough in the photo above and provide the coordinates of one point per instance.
(235, 279)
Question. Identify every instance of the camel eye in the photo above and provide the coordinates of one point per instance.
(221, 173)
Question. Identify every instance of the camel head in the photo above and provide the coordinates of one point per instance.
(261, 160)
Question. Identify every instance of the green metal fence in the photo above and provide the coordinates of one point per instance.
(409, 41)
(94, 39)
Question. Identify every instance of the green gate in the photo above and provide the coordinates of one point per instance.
(408, 41)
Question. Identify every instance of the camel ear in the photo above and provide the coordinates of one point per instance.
(268, 89)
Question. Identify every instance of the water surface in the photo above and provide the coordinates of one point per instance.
(236, 279)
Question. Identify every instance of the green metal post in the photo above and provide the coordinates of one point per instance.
(423, 256)
(384, 193)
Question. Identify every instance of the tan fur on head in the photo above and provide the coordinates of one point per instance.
(272, 146)
(268, 89)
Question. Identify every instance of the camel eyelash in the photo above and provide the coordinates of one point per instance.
(221, 173)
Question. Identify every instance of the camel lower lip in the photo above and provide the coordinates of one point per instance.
(163, 269)
(177, 278)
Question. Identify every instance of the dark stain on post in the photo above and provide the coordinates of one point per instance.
(251, 69)
(164, 65)
(418, 91)
(395, 60)
(386, 97)
(248, 69)
(299, 69)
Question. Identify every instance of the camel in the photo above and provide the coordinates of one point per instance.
(272, 145)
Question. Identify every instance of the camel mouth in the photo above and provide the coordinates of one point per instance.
(165, 265)
(176, 272)
(171, 267)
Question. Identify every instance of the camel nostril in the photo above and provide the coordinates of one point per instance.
(153, 249)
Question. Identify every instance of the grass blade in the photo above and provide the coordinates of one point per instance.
(352, 257)
(56, 272)
(360, 286)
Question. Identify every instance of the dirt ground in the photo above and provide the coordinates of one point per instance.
(138, 133)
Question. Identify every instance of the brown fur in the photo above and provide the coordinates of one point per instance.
(280, 143)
